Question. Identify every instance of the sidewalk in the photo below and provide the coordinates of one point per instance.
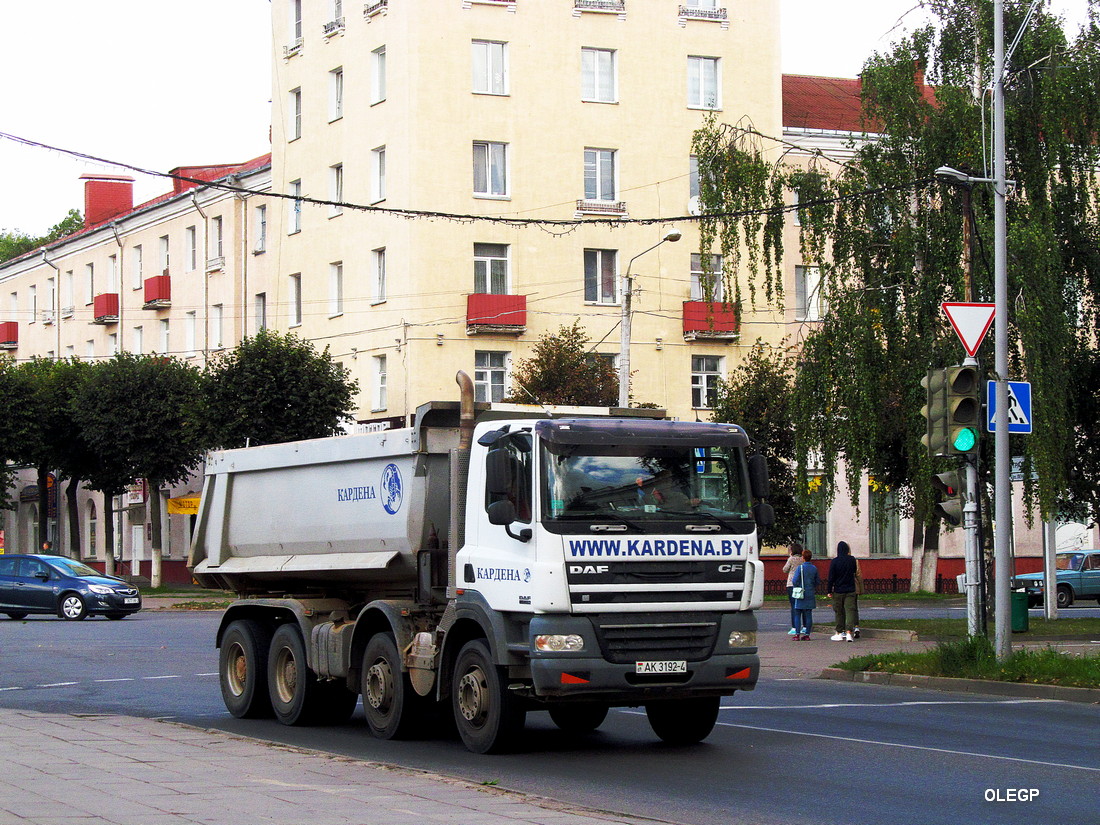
(116, 770)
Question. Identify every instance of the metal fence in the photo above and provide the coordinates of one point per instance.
(893, 584)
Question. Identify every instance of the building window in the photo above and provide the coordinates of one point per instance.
(600, 276)
(598, 80)
(91, 529)
(378, 76)
(89, 283)
(89, 349)
(294, 115)
(218, 241)
(261, 311)
(295, 20)
(68, 294)
(335, 289)
(707, 286)
(706, 372)
(379, 401)
(165, 259)
(703, 85)
(190, 332)
(702, 4)
(490, 376)
(491, 268)
(336, 189)
(335, 94)
(32, 302)
(490, 169)
(261, 228)
(112, 343)
(138, 341)
(884, 526)
(379, 276)
(217, 325)
(164, 337)
(599, 174)
(490, 67)
(809, 305)
(378, 174)
(190, 240)
(294, 224)
(112, 273)
(51, 299)
(137, 275)
(294, 290)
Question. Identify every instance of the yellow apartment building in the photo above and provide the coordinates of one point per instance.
(476, 132)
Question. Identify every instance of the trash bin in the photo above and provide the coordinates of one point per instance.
(1019, 611)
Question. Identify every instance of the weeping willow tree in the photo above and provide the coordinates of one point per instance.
(887, 238)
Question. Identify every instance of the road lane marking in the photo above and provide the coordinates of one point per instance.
(127, 679)
(913, 747)
(887, 704)
(58, 684)
(103, 681)
(147, 678)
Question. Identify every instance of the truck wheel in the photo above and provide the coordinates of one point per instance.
(1065, 595)
(684, 721)
(393, 709)
(295, 691)
(242, 669)
(579, 718)
(487, 714)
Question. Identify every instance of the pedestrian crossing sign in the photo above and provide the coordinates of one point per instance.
(1019, 406)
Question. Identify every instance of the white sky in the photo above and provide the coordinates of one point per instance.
(163, 84)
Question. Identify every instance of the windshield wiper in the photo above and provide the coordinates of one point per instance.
(727, 524)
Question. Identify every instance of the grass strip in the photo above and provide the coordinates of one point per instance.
(956, 628)
(975, 658)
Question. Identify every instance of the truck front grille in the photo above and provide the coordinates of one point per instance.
(626, 642)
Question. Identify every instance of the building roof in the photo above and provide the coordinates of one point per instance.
(831, 103)
(208, 173)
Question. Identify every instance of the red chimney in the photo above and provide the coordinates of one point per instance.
(106, 197)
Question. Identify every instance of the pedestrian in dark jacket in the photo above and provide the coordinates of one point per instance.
(807, 578)
(841, 586)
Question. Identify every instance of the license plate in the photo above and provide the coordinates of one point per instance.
(661, 667)
(131, 600)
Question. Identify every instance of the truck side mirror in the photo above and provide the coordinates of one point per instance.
(764, 514)
(758, 476)
(503, 514)
(498, 473)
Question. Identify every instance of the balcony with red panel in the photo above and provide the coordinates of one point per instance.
(500, 314)
(9, 335)
(105, 308)
(158, 292)
(706, 320)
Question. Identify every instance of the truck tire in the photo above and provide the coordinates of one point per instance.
(393, 709)
(1065, 595)
(683, 721)
(488, 716)
(579, 718)
(296, 695)
(242, 669)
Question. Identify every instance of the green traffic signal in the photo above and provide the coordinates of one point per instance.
(963, 408)
(964, 440)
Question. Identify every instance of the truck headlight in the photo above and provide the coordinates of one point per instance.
(558, 643)
(742, 638)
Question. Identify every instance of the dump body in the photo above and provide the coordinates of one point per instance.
(346, 513)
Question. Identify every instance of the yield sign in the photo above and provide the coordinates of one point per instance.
(971, 323)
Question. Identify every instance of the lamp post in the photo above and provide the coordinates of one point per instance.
(624, 322)
(1002, 487)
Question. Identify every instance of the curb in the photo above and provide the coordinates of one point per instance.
(983, 686)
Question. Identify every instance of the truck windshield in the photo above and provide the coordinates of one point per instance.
(643, 485)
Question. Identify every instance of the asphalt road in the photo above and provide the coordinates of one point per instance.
(793, 751)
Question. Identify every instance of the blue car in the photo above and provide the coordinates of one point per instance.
(1078, 577)
(64, 587)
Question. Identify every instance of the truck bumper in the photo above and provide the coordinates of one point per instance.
(593, 673)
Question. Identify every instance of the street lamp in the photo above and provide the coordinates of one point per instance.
(624, 322)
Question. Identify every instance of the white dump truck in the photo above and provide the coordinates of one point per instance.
(486, 563)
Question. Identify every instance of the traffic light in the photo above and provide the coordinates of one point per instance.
(952, 486)
(935, 411)
(964, 409)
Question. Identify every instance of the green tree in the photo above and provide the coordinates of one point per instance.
(757, 395)
(273, 388)
(562, 370)
(14, 243)
(138, 414)
(888, 240)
